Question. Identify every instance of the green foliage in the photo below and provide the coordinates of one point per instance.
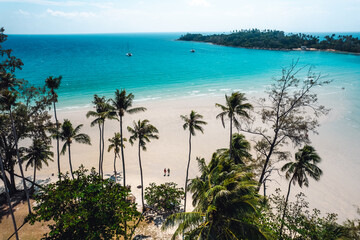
(165, 198)
(300, 222)
(22, 106)
(274, 39)
(85, 208)
(225, 201)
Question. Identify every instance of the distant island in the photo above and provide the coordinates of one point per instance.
(278, 40)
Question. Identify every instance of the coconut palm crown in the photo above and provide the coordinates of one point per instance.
(234, 107)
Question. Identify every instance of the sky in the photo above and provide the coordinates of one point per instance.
(128, 16)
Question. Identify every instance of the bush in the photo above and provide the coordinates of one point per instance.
(165, 197)
(85, 208)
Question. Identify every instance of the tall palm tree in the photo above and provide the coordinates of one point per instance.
(122, 104)
(53, 84)
(225, 201)
(37, 154)
(193, 123)
(103, 111)
(142, 131)
(304, 165)
(68, 134)
(8, 99)
(235, 106)
(8, 198)
(115, 143)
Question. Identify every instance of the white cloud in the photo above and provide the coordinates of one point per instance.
(202, 3)
(70, 14)
(22, 12)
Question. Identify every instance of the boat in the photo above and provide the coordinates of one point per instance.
(192, 50)
(129, 54)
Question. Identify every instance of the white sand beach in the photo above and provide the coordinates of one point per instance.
(337, 191)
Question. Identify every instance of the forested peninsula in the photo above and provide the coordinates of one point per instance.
(278, 40)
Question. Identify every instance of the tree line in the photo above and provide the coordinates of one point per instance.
(227, 200)
(278, 40)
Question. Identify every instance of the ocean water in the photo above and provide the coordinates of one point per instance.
(163, 68)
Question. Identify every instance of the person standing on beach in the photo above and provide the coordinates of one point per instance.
(168, 171)
(164, 172)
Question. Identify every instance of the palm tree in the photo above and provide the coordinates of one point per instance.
(53, 84)
(142, 131)
(122, 104)
(225, 201)
(194, 123)
(37, 154)
(240, 149)
(305, 163)
(235, 106)
(103, 111)
(8, 198)
(115, 144)
(68, 134)
(8, 99)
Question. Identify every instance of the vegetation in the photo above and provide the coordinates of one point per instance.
(278, 40)
(289, 114)
(225, 200)
(304, 165)
(37, 154)
(122, 104)
(193, 122)
(68, 134)
(300, 222)
(164, 198)
(53, 84)
(235, 107)
(85, 207)
(103, 111)
(142, 131)
(115, 143)
(226, 193)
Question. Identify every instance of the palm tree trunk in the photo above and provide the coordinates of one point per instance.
(32, 187)
(19, 161)
(123, 166)
(103, 149)
(8, 198)
(286, 201)
(122, 152)
(100, 150)
(187, 171)
(115, 166)
(230, 137)
(71, 170)
(57, 142)
(142, 182)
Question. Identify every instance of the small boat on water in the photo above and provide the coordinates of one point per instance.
(192, 50)
(129, 54)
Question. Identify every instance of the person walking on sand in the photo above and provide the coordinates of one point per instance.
(168, 171)
(164, 172)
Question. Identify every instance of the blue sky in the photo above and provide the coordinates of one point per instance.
(114, 16)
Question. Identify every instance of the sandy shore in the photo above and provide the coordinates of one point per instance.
(337, 191)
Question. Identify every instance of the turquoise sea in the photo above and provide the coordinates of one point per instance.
(162, 68)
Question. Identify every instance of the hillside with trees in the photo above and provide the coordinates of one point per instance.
(278, 40)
